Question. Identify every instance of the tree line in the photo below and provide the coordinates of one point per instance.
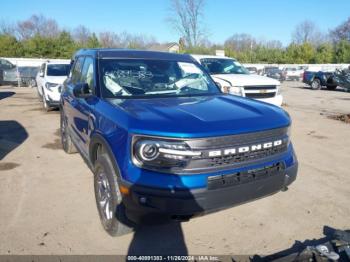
(41, 37)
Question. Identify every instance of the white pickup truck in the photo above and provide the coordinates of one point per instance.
(49, 82)
(233, 78)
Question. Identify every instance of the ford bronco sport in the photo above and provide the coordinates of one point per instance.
(163, 141)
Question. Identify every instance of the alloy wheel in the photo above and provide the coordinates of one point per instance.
(104, 195)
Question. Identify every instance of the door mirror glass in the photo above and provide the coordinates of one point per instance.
(81, 90)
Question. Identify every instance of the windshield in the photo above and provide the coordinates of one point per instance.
(273, 70)
(145, 78)
(58, 70)
(223, 66)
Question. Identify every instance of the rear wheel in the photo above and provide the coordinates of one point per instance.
(66, 140)
(109, 199)
(316, 84)
(32, 83)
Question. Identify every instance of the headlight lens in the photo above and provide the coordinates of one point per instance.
(161, 154)
(236, 90)
(278, 90)
(50, 86)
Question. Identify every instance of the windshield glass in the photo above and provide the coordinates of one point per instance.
(58, 70)
(145, 78)
(223, 66)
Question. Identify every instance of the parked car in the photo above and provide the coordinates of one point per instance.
(329, 79)
(252, 70)
(274, 72)
(342, 78)
(293, 73)
(318, 79)
(164, 142)
(235, 79)
(49, 82)
(28, 75)
(8, 73)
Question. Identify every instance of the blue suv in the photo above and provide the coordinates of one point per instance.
(163, 141)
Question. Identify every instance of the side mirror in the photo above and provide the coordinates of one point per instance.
(41, 74)
(81, 90)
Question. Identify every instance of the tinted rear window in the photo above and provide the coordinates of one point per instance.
(58, 70)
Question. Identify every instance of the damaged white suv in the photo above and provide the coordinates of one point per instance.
(233, 78)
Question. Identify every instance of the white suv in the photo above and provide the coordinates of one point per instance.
(233, 78)
(49, 82)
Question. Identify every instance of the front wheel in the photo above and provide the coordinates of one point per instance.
(40, 97)
(316, 84)
(109, 199)
(46, 106)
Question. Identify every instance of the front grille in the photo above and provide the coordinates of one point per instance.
(243, 157)
(206, 162)
(259, 87)
(260, 95)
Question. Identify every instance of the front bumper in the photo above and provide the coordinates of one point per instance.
(53, 97)
(276, 100)
(145, 202)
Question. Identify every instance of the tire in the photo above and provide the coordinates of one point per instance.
(316, 84)
(108, 198)
(38, 94)
(32, 83)
(46, 106)
(66, 140)
(331, 87)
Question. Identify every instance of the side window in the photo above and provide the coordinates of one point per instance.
(6, 64)
(76, 71)
(87, 75)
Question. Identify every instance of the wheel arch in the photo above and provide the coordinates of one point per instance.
(96, 142)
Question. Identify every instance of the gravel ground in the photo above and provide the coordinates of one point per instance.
(47, 202)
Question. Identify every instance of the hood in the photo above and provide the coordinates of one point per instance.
(55, 79)
(245, 79)
(199, 116)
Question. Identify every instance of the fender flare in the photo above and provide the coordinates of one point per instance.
(98, 139)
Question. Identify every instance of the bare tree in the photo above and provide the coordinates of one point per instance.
(186, 20)
(341, 32)
(307, 31)
(109, 39)
(81, 34)
(240, 42)
(37, 25)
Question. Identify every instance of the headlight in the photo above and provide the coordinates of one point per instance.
(160, 154)
(278, 90)
(236, 90)
(50, 86)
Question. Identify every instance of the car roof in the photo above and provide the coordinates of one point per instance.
(133, 54)
(199, 57)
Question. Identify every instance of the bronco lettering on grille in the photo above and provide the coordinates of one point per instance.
(244, 149)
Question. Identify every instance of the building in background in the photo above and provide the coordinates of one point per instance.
(167, 47)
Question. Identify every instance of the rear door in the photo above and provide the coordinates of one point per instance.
(69, 101)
